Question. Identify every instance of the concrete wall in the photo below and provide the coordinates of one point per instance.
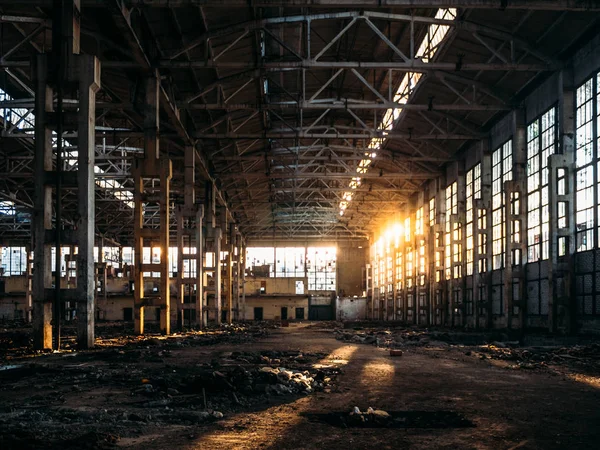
(274, 285)
(535, 101)
(351, 261)
(351, 308)
(272, 305)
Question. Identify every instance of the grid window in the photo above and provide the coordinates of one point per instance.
(399, 267)
(432, 212)
(541, 143)
(419, 222)
(289, 261)
(321, 268)
(451, 208)
(472, 192)
(501, 172)
(585, 159)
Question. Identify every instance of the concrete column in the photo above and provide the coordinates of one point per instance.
(138, 244)
(29, 287)
(243, 279)
(482, 239)
(181, 287)
(152, 168)
(562, 309)
(439, 291)
(187, 225)
(42, 212)
(89, 84)
(200, 317)
(426, 244)
(165, 295)
(217, 237)
(515, 201)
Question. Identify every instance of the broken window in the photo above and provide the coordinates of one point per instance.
(541, 143)
(585, 159)
(501, 172)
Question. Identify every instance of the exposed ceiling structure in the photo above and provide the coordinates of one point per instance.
(314, 119)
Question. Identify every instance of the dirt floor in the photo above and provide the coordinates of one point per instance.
(224, 389)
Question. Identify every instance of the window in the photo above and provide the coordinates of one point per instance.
(501, 172)
(585, 159)
(451, 229)
(289, 261)
(399, 267)
(14, 260)
(432, 212)
(321, 268)
(408, 253)
(419, 222)
(261, 260)
(472, 192)
(541, 143)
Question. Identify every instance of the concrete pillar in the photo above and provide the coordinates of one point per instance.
(29, 287)
(439, 289)
(83, 71)
(42, 212)
(151, 167)
(89, 84)
(200, 317)
(562, 310)
(243, 280)
(189, 235)
(515, 192)
(482, 242)
(217, 236)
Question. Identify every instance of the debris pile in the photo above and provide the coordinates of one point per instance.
(371, 417)
(492, 345)
(536, 357)
(119, 392)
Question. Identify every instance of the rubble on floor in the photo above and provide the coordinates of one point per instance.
(18, 342)
(493, 345)
(130, 385)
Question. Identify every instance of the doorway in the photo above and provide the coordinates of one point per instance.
(284, 313)
(299, 313)
(258, 313)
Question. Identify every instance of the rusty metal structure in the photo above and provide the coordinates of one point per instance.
(291, 120)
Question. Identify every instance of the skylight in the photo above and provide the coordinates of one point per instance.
(427, 50)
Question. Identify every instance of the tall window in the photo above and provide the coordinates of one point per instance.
(321, 268)
(419, 222)
(585, 158)
(289, 261)
(421, 243)
(473, 192)
(408, 253)
(432, 212)
(451, 208)
(14, 260)
(501, 172)
(399, 269)
(541, 143)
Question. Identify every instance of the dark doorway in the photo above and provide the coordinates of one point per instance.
(284, 313)
(299, 313)
(320, 312)
(157, 314)
(128, 314)
(258, 314)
